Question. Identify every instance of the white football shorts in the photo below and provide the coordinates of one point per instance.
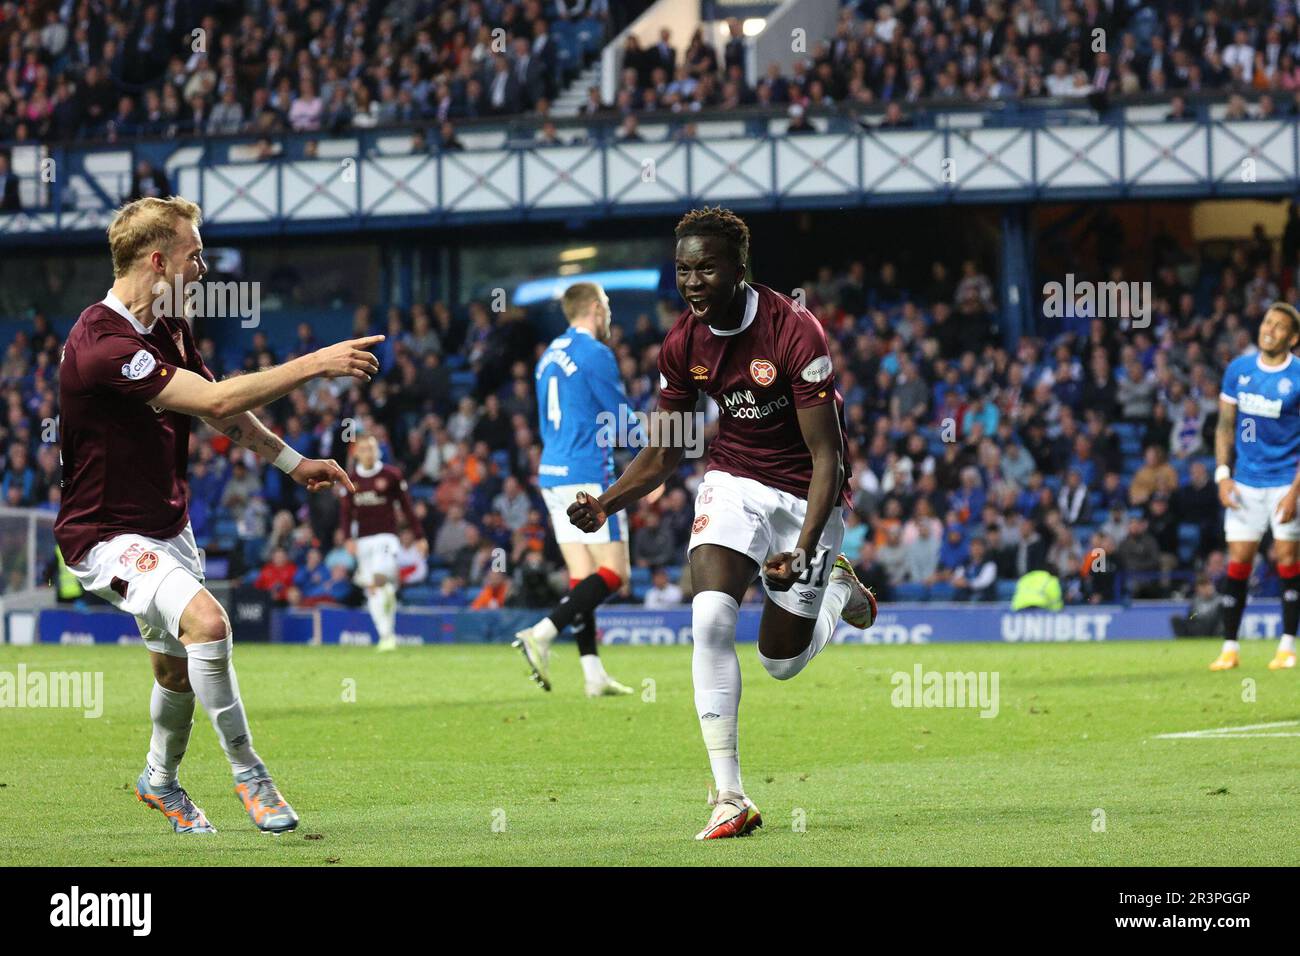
(557, 501)
(377, 554)
(150, 578)
(748, 516)
(1256, 514)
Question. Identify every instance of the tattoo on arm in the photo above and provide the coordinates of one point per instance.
(1224, 437)
(247, 431)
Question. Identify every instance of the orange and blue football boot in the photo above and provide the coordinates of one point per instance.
(174, 803)
(266, 808)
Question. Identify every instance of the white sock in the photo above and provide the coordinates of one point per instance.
(381, 603)
(837, 595)
(592, 669)
(212, 675)
(1230, 646)
(390, 608)
(545, 630)
(1287, 643)
(172, 713)
(715, 672)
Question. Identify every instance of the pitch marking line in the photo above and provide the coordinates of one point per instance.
(1228, 732)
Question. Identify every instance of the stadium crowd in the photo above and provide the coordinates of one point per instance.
(85, 69)
(1086, 451)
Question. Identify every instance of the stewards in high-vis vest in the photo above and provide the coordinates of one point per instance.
(1038, 589)
(67, 586)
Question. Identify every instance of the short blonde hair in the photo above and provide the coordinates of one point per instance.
(147, 224)
(577, 299)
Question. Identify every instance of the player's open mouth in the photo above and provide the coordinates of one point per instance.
(698, 306)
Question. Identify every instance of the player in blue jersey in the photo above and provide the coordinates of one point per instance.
(1259, 418)
(579, 396)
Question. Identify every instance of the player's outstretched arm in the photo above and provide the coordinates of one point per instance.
(192, 394)
(247, 431)
(651, 467)
(820, 425)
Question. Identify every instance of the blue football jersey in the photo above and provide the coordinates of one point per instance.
(580, 399)
(1271, 399)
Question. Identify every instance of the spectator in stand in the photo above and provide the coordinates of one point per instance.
(277, 576)
(1139, 558)
(663, 593)
(494, 594)
(1156, 476)
(977, 578)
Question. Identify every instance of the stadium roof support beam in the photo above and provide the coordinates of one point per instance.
(1016, 276)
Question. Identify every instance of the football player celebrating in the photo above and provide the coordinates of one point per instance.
(369, 516)
(130, 381)
(770, 501)
(1259, 418)
(580, 391)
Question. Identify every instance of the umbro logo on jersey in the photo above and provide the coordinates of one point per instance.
(1243, 379)
(699, 372)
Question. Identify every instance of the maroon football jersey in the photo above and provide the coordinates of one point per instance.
(124, 460)
(776, 362)
(373, 506)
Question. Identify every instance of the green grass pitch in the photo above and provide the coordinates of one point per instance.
(449, 755)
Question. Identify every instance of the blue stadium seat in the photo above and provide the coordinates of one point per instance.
(910, 591)
(943, 591)
(589, 35)
(420, 593)
(1006, 590)
(1189, 542)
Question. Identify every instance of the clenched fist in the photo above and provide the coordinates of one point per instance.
(586, 514)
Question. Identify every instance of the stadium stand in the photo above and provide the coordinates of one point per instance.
(85, 70)
(1077, 441)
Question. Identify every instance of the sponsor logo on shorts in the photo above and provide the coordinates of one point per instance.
(763, 372)
(699, 524)
(147, 561)
(141, 364)
(806, 597)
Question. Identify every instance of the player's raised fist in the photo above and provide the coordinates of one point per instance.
(586, 514)
(348, 358)
(780, 571)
